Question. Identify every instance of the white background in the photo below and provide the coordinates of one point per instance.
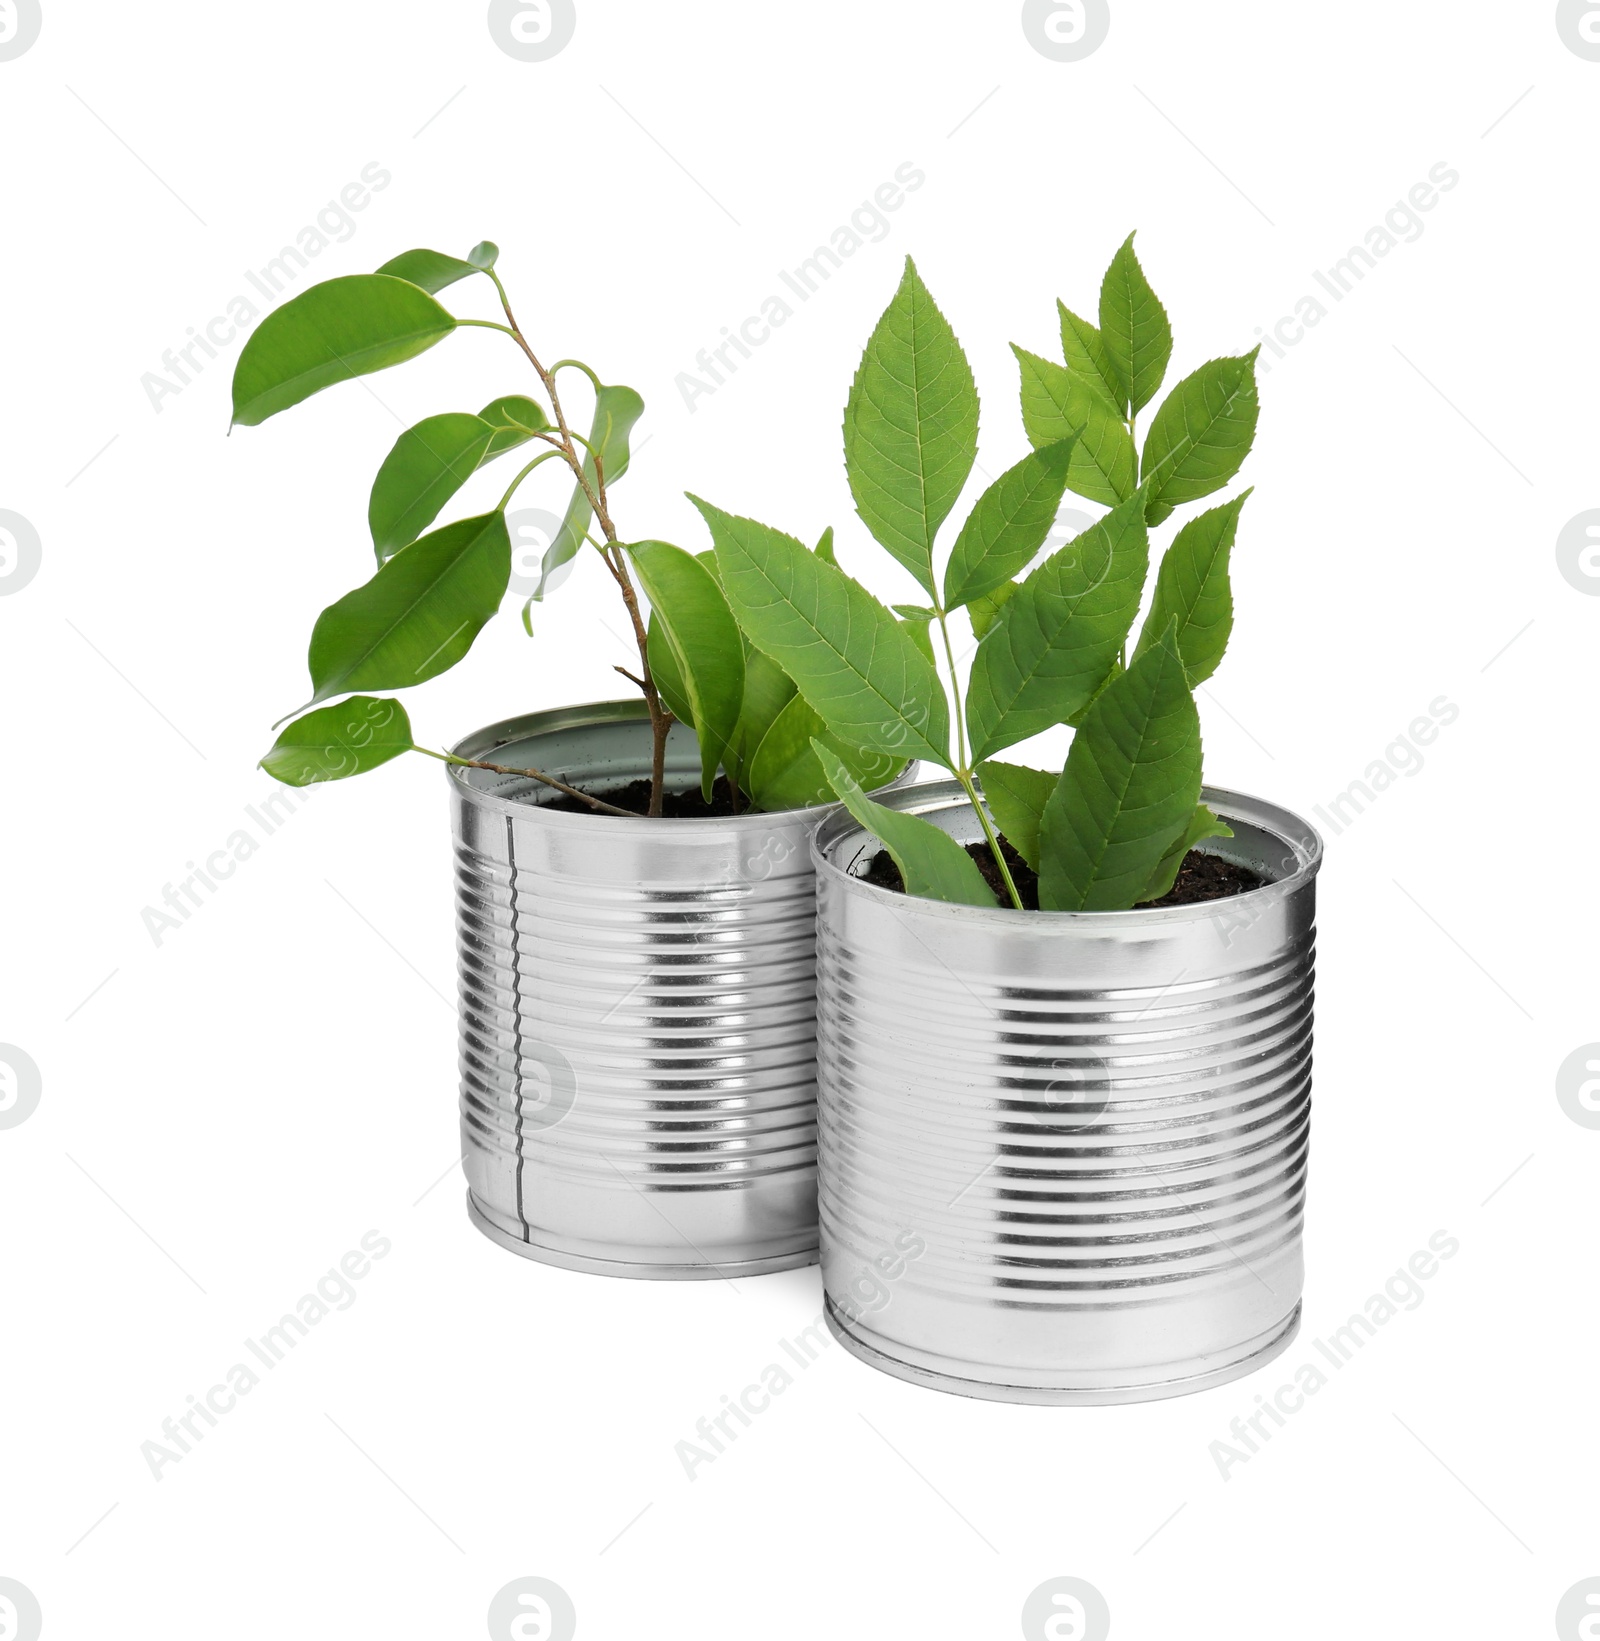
(225, 1114)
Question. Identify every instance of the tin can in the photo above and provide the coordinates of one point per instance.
(1095, 1126)
(637, 1025)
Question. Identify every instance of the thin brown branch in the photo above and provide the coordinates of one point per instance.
(549, 780)
(595, 494)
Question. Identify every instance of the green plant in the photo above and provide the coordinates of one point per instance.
(436, 588)
(1111, 830)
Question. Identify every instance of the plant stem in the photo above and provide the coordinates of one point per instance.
(549, 455)
(532, 775)
(965, 777)
(963, 772)
(660, 718)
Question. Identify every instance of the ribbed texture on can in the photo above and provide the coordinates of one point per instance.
(1096, 1127)
(637, 1020)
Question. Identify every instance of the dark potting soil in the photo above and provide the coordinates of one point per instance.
(1201, 877)
(635, 795)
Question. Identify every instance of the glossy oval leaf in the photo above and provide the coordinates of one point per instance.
(333, 332)
(333, 743)
(1193, 591)
(1016, 796)
(418, 615)
(1009, 524)
(432, 270)
(704, 640)
(616, 411)
(1128, 791)
(910, 426)
(427, 466)
(484, 255)
(1201, 434)
(1060, 634)
(515, 419)
(932, 864)
(1084, 350)
(785, 772)
(665, 673)
(1134, 329)
(847, 654)
(1057, 405)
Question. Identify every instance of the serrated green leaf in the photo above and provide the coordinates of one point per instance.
(1203, 824)
(1128, 791)
(427, 466)
(932, 864)
(1059, 635)
(616, 410)
(1084, 350)
(515, 419)
(1016, 796)
(825, 547)
(704, 640)
(847, 654)
(335, 742)
(334, 332)
(918, 628)
(910, 426)
(1057, 405)
(418, 615)
(1201, 434)
(432, 270)
(768, 689)
(984, 612)
(1008, 525)
(1193, 590)
(1134, 328)
(1115, 672)
(785, 772)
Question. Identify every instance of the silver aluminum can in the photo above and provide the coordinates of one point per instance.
(637, 1012)
(1096, 1123)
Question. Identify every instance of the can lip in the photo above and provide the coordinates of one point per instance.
(482, 743)
(1298, 836)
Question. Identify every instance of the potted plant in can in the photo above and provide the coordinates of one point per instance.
(1064, 1015)
(635, 897)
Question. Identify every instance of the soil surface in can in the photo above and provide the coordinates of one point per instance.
(1201, 877)
(635, 796)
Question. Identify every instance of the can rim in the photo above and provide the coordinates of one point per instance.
(586, 715)
(1296, 834)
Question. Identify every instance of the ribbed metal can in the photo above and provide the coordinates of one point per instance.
(1091, 1129)
(637, 1012)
